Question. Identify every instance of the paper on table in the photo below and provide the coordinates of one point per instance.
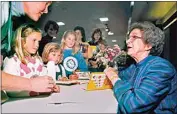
(70, 82)
(83, 75)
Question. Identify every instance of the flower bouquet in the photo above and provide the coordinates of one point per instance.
(111, 53)
(104, 58)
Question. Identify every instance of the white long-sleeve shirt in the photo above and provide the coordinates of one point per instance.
(52, 70)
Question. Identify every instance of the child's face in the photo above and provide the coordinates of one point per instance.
(97, 36)
(55, 56)
(70, 41)
(31, 44)
(102, 47)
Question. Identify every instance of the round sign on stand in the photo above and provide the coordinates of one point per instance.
(70, 64)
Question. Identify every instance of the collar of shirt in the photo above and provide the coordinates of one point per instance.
(17, 9)
(144, 61)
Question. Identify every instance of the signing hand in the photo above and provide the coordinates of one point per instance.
(112, 74)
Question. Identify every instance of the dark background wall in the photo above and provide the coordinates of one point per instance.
(173, 44)
(170, 47)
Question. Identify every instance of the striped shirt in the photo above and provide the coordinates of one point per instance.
(149, 86)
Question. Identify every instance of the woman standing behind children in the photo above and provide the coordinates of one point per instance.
(96, 37)
(52, 56)
(85, 48)
(25, 62)
(73, 58)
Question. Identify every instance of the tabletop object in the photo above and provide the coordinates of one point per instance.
(98, 81)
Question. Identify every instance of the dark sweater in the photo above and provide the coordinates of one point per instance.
(46, 39)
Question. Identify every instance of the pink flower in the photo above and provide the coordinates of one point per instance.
(106, 56)
(112, 52)
(25, 68)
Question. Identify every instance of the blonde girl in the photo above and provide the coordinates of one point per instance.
(25, 62)
(72, 57)
(52, 56)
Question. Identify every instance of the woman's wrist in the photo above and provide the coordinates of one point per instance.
(114, 79)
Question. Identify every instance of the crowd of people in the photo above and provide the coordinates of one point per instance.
(32, 63)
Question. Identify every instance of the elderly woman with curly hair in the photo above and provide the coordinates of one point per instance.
(149, 85)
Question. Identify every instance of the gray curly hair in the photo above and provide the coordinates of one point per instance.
(152, 35)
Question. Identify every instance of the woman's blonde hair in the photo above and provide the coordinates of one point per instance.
(51, 47)
(20, 36)
(76, 47)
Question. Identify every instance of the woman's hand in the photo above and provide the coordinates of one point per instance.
(112, 74)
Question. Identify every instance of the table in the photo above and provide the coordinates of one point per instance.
(73, 99)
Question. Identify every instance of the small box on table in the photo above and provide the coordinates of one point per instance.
(98, 81)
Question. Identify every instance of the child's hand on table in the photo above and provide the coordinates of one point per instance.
(64, 79)
(73, 77)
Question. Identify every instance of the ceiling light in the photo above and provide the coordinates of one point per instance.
(110, 33)
(60, 23)
(104, 19)
(114, 40)
(107, 29)
(132, 3)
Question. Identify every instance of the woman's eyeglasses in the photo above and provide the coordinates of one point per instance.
(132, 38)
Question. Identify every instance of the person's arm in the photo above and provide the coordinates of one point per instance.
(125, 75)
(12, 82)
(16, 83)
(154, 86)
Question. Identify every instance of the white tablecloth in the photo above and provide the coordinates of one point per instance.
(74, 98)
